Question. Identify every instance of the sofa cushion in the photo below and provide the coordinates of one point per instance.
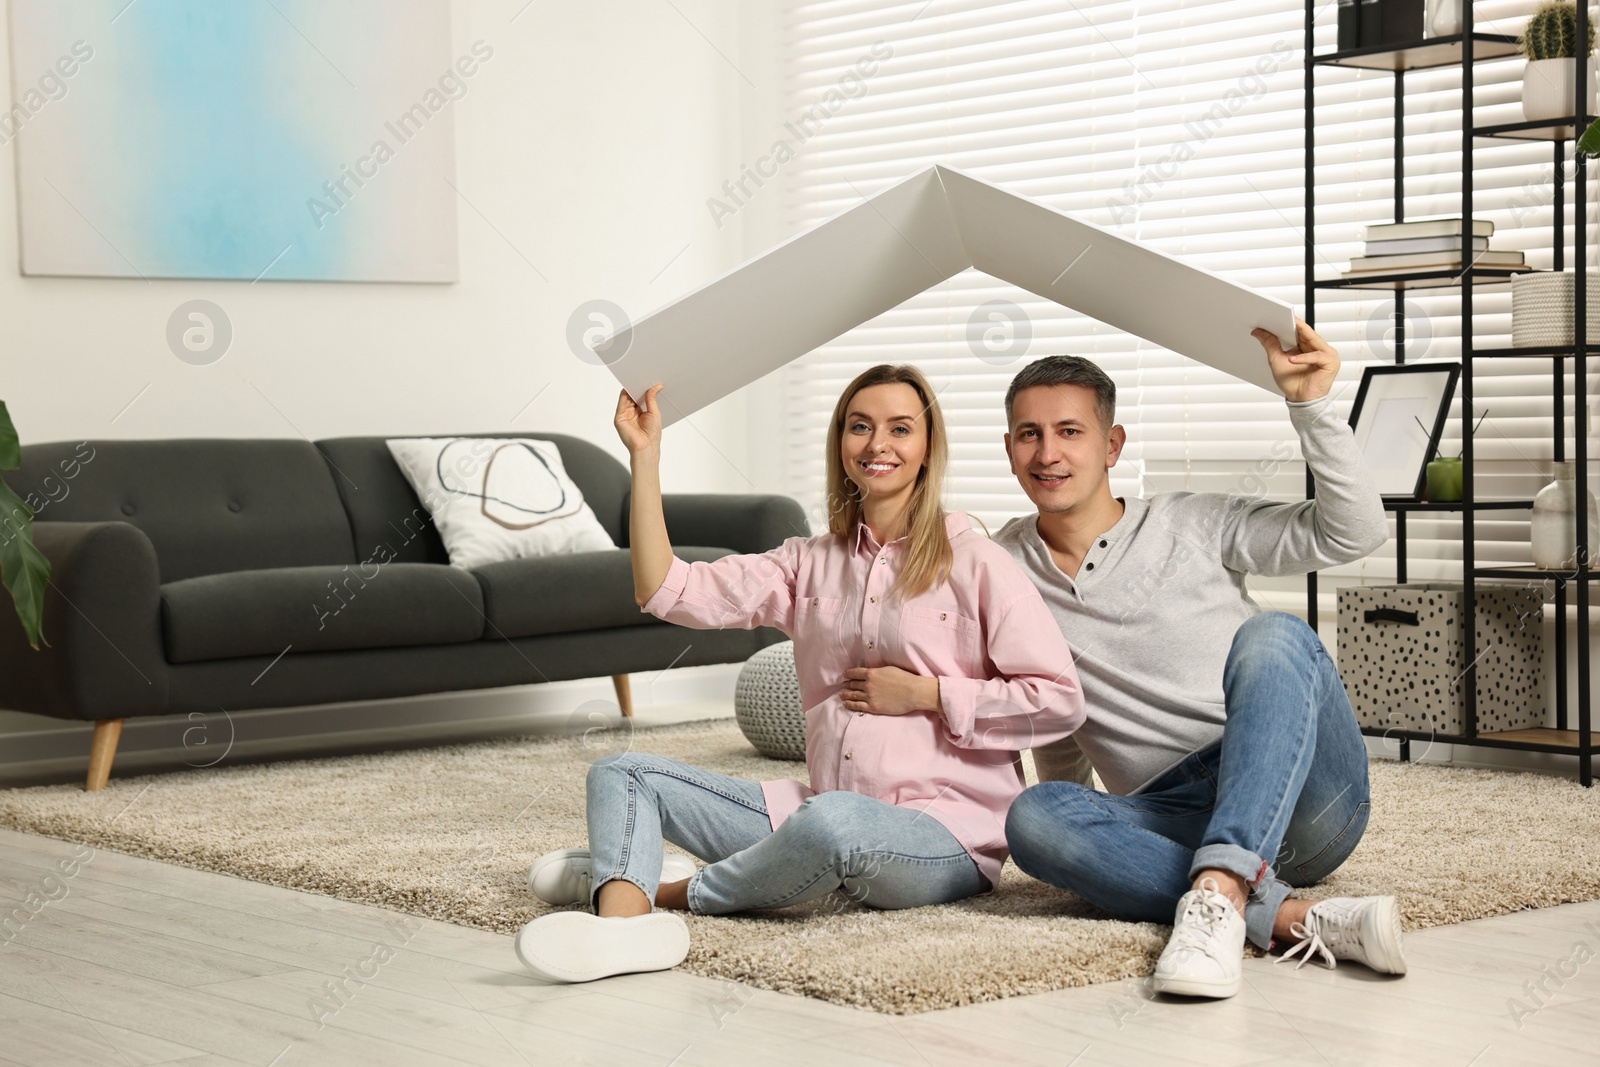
(566, 594)
(494, 499)
(319, 609)
(389, 522)
(208, 506)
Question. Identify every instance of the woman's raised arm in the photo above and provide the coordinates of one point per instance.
(649, 548)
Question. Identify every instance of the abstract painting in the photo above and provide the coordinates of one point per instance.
(276, 140)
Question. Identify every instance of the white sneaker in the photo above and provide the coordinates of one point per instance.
(1204, 957)
(1364, 929)
(575, 946)
(563, 877)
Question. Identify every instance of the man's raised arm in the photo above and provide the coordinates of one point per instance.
(1346, 520)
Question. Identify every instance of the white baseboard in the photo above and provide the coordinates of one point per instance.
(38, 750)
(35, 749)
(1556, 765)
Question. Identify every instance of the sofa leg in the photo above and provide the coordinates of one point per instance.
(102, 750)
(624, 694)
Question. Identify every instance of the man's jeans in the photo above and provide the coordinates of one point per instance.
(1282, 795)
(881, 855)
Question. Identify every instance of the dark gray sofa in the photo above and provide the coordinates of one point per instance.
(193, 575)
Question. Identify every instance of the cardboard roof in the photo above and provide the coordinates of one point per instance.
(937, 223)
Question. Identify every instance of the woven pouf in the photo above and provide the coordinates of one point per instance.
(766, 703)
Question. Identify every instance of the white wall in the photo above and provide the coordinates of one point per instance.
(590, 143)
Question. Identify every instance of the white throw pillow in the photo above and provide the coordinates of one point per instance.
(496, 498)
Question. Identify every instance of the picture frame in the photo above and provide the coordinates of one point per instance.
(1398, 418)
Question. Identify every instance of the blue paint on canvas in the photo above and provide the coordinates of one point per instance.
(228, 141)
(228, 138)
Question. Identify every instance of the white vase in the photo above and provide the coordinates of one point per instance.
(1555, 527)
(1547, 89)
(1444, 17)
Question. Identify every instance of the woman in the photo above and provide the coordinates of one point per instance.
(926, 659)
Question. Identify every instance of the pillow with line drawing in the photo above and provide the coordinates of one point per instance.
(496, 498)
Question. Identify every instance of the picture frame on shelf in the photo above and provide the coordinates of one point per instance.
(1398, 418)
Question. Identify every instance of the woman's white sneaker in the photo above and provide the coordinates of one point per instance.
(575, 946)
(563, 877)
(1204, 956)
(1363, 929)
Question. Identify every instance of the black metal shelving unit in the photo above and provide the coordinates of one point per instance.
(1465, 50)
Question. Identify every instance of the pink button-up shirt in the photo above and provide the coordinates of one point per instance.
(1006, 679)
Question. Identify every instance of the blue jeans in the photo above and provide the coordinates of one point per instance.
(880, 855)
(1280, 801)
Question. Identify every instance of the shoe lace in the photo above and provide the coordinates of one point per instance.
(1323, 935)
(1197, 927)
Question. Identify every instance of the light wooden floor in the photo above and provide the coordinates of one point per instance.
(137, 962)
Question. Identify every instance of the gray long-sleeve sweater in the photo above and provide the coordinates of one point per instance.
(1158, 598)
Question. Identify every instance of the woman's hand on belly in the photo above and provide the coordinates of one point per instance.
(888, 691)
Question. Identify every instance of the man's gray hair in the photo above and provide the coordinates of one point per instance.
(1068, 370)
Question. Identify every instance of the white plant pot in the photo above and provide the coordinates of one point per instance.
(1547, 89)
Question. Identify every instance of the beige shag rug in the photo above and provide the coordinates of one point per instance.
(448, 833)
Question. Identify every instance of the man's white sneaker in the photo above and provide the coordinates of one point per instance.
(575, 946)
(1205, 955)
(1364, 929)
(563, 877)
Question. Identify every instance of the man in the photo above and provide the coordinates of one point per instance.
(1233, 764)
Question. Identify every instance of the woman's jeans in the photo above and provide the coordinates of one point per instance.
(880, 855)
(1282, 795)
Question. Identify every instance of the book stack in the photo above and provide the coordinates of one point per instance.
(1430, 245)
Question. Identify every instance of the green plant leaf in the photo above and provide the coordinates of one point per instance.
(1589, 143)
(22, 565)
(10, 449)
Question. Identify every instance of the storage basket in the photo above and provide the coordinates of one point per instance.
(1402, 657)
(1541, 308)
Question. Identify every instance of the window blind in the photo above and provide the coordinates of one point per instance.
(1179, 125)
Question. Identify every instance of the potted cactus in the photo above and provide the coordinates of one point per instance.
(1550, 43)
(22, 566)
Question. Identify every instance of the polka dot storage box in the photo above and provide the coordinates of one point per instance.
(1402, 656)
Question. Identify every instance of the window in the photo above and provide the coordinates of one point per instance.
(1180, 125)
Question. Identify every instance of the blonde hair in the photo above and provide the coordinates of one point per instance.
(928, 557)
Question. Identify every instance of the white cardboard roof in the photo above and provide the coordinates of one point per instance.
(820, 284)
